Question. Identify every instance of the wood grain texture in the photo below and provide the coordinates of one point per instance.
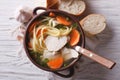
(14, 67)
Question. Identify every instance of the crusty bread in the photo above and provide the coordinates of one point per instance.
(93, 24)
(52, 4)
(75, 7)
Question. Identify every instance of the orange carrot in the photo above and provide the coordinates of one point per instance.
(55, 63)
(39, 32)
(62, 20)
(32, 26)
(51, 14)
(31, 34)
(29, 44)
(74, 37)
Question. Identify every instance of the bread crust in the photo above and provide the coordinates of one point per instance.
(88, 30)
(68, 4)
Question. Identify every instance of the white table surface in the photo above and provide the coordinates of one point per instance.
(14, 67)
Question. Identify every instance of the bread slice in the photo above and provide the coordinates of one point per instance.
(93, 24)
(75, 7)
(52, 4)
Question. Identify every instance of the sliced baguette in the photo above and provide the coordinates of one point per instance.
(75, 7)
(93, 24)
(52, 4)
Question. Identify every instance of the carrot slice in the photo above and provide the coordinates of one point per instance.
(62, 20)
(51, 14)
(74, 37)
(29, 44)
(55, 63)
(32, 26)
(31, 34)
(39, 32)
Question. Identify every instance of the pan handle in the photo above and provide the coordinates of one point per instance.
(70, 74)
(104, 61)
(38, 8)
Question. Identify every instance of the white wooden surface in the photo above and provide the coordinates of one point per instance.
(14, 67)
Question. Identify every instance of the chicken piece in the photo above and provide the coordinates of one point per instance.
(69, 53)
(49, 54)
(55, 43)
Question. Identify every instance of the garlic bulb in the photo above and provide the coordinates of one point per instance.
(23, 14)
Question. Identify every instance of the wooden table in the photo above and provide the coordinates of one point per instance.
(14, 67)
